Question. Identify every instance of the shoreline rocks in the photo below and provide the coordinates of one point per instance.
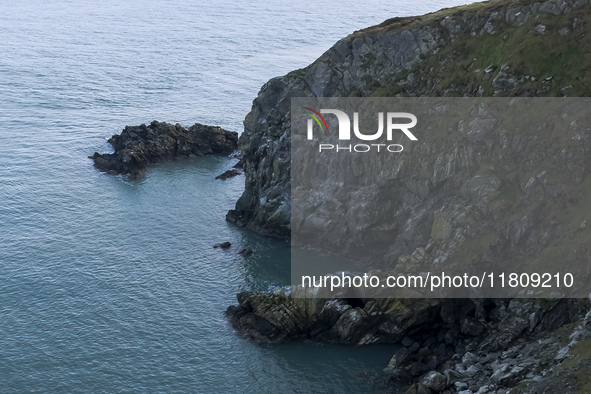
(137, 147)
(478, 345)
(447, 345)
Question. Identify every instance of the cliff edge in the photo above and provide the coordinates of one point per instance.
(512, 48)
(507, 206)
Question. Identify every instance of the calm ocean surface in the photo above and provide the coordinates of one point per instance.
(112, 285)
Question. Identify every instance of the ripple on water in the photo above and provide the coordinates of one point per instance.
(109, 284)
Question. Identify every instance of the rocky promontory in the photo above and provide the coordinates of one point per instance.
(137, 147)
(497, 48)
(505, 197)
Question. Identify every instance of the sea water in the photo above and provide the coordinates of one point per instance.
(112, 285)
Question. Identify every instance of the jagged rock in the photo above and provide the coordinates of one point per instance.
(432, 363)
(486, 390)
(472, 327)
(468, 359)
(562, 354)
(441, 351)
(505, 80)
(435, 381)
(414, 347)
(228, 174)
(139, 146)
(268, 318)
(418, 388)
(417, 369)
(510, 328)
(490, 69)
(400, 359)
(333, 320)
(513, 376)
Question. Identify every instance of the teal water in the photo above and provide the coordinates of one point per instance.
(112, 285)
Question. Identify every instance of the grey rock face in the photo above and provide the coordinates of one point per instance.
(355, 66)
(435, 381)
(504, 80)
(495, 336)
(341, 71)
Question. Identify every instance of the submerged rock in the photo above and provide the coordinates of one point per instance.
(139, 146)
(228, 174)
(223, 245)
(245, 252)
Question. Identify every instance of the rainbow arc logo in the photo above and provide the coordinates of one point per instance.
(387, 121)
(315, 115)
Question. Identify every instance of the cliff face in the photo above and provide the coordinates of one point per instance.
(497, 201)
(519, 48)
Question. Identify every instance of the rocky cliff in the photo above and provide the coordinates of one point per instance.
(499, 48)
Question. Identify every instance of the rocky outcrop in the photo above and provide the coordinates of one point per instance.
(277, 317)
(229, 174)
(485, 49)
(510, 48)
(137, 147)
(480, 345)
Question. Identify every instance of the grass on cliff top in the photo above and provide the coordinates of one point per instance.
(578, 365)
(458, 69)
(474, 9)
(411, 22)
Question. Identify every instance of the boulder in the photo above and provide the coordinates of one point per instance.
(418, 388)
(435, 381)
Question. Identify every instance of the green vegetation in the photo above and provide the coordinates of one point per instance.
(543, 62)
(434, 17)
(577, 366)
